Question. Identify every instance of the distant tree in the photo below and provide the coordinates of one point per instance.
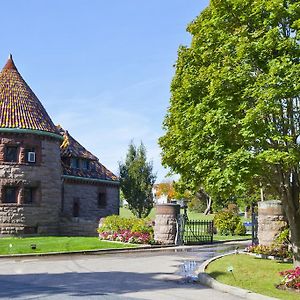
(167, 189)
(233, 124)
(198, 199)
(137, 180)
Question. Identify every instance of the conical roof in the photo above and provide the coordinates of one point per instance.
(19, 106)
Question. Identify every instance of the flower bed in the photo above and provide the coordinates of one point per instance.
(126, 236)
(274, 252)
(291, 279)
(133, 230)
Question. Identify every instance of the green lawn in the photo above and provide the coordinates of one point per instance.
(126, 213)
(222, 238)
(257, 275)
(55, 244)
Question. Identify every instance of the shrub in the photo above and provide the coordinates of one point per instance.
(277, 250)
(283, 237)
(232, 207)
(240, 229)
(226, 222)
(132, 230)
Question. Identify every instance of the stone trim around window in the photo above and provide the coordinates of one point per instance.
(13, 194)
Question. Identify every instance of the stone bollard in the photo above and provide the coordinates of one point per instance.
(166, 223)
(271, 221)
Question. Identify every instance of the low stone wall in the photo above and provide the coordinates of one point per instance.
(271, 221)
(78, 227)
(166, 220)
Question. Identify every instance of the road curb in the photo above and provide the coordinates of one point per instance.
(207, 280)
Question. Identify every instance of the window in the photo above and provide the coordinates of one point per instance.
(9, 194)
(76, 207)
(11, 154)
(29, 195)
(102, 200)
(74, 163)
(30, 156)
(85, 164)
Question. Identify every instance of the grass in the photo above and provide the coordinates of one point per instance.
(55, 244)
(222, 238)
(257, 275)
(126, 213)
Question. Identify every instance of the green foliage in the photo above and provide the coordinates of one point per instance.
(234, 114)
(277, 250)
(197, 205)
(136, 180)
(129, 230)
(232, 207)
(227, 223)
(283, 237)
(116, 223)
(240, 229)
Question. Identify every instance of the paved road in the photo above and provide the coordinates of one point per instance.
(156, 275)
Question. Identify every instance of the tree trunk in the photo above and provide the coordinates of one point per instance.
(208, 205)
(295, 240)
(290, 201)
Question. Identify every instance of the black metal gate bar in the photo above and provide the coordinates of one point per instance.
(198, 232)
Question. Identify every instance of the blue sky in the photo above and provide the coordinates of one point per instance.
(102, 69)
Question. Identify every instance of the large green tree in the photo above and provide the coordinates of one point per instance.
(233, 123)
(137, 180)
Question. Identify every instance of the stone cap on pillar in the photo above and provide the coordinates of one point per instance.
(270, 207)
(168, 209)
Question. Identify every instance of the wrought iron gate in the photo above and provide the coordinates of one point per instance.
(197, 232)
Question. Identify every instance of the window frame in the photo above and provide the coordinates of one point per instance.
(6, 154)
(4, 194)
(74, 163)
(102, 199)
(32, 191)
(27, 150)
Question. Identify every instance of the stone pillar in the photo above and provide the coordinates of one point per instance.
(271, 221)
(166, 223)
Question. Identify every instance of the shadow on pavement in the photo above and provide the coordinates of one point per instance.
(85, 284)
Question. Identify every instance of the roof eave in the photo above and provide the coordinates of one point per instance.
(32, 131)
(79, 178)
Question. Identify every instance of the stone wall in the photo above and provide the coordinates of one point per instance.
(166, 223)
(77, 227)
(88, 212)
(42, 216)
(271, 221)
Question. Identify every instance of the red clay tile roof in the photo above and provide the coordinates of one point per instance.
(70, 148)
(19, 106)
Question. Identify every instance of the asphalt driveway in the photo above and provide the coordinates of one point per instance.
(166, 275)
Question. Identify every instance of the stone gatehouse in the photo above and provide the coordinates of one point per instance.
(49, 183)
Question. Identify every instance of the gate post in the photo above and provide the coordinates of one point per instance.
(271, 221)
(166, 226)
